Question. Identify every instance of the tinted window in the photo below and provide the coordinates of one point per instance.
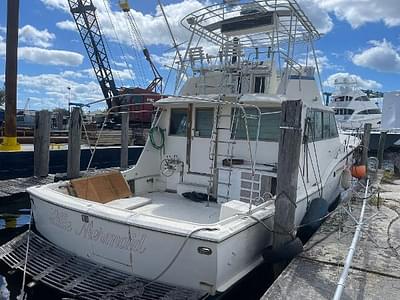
(269, 125)
(332, 125)
(259, 84)
(362, 98)
(374, 111)
(326, 125)
(204, 122)
(315, 129)
(363, 112)
(322, 125)
(178, 121)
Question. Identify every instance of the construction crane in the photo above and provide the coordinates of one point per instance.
(84, 14)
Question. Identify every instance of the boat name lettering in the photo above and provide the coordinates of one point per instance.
(60, 219)
(133, 243)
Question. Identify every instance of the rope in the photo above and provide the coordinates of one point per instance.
(85, 130)
(174, 258)
(152, 140)
(119, 44)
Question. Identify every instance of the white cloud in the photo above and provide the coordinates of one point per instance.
(359, 12)
(382, 56)
(318, 16)
(43, 56)
(67, 25)
(53, 91)
(50, 57)
(33, 36)
(151, 26)
(59, 4)
(322, 60)
(362, 83)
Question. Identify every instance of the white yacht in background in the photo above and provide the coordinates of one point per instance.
(353, 108)
(194, 209)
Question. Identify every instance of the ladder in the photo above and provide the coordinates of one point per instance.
(229, 142)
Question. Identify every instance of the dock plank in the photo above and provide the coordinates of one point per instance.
(375, 271)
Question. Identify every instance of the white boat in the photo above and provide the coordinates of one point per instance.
(353, 108)
(217, 141)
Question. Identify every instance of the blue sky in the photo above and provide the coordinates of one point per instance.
(361, 38)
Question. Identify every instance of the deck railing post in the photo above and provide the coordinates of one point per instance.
(365, 143)
(124, 139)
(288, 166)
(381, 148)
(74, 144)
(41, 144)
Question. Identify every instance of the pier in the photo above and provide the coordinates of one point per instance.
(375, 269)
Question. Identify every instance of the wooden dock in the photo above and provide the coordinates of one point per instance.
(11, 187)
(375, 270)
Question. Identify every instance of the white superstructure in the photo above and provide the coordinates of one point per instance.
(216, 142)
(353, 108)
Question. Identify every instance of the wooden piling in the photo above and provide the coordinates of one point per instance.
(381, 148)
(124, 139)
(10, 142)
(365, 143)
(288, 165)
(41, 144)
(74, 143)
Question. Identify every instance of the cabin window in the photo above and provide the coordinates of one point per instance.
(315, 128)
(362, 98)
(343, 111)
(259, 84)
(322, 125)
(269, 124)
(178, 122)
(204, 122)
(373, 111)
(333, 132)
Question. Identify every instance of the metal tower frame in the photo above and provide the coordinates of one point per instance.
(83, 12)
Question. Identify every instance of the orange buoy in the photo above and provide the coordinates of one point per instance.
(359, 171)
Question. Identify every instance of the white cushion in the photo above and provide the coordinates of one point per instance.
(129, 203)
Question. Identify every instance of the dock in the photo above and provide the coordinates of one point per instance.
(12, 187)
(375, 270)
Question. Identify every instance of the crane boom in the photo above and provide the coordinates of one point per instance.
(83, 12)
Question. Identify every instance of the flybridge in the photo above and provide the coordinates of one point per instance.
(259, 22)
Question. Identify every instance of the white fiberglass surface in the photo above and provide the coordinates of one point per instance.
(174, 206)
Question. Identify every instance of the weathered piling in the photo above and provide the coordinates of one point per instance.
(74, 143)
(124, 139)
(381, 148)
(41, 144)
(365, 143)
(289, 154)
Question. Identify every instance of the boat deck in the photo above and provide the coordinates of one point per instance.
(174, 206)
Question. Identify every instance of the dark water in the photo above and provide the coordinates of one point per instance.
(14, 219)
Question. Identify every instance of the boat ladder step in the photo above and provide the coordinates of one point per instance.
(224, 128)
(81, 278)
(224, 142)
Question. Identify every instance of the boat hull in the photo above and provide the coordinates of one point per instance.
(146, 253)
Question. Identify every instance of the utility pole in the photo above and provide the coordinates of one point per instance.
(10, 142)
